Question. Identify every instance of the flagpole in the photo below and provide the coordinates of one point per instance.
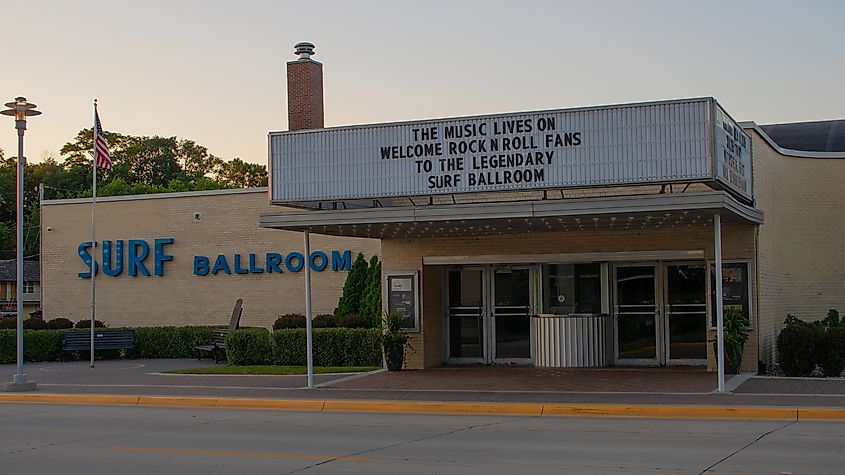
(94, 235)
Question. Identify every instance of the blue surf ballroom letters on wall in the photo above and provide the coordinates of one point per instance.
(132, 255)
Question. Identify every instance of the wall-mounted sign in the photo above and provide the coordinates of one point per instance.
(643, 143)
(402, 297)
(733, 154)
(133, 256)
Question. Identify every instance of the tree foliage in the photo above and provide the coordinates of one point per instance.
(142, 165)
(353, 288)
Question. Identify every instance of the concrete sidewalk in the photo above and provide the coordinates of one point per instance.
(450, 390)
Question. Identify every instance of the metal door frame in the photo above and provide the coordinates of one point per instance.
(487, 314)
(658, 327)
(667, 314)
(482, 317)
(492, 313)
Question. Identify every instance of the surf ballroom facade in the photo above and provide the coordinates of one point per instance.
(173, 259)
(567, 238)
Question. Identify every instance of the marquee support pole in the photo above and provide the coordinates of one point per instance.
(308, 325)
(720, 320)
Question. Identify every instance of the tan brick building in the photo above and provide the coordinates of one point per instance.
(572, 237)
(201, 224)
(579, 237)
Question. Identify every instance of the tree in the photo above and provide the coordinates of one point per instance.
(241, 174)
(353, 289)
(371, 300)
(195, 160)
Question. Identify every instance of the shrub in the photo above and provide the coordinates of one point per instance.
(87, 324)
(289, 347)
(43, 345)
(34, 324)
(353, 288)
(353, 321)
(332, 347)
(324, 321)
(796, 345)
(8, 323)
(38, 345)
(169, 342)
(290, 320)
(830, 351)
(59, 324)
(342, 321)
(249, 346)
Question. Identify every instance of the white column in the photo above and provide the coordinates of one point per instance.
(720, 323)
(308, 326)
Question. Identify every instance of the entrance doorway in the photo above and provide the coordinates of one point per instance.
(661, 316)
(488, 314)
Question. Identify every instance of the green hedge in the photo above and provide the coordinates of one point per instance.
(169, 342)
(38, 345)
(249, 346)
(332, 347)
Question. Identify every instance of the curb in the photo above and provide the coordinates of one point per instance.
(447, 408)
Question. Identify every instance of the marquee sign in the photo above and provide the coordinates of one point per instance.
(643, 143)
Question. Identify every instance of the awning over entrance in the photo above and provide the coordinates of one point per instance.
(488, 218)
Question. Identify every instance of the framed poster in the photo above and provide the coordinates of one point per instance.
(402, 296)
(736, 289)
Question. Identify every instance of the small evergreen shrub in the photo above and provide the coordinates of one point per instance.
(34, 324)
(59, 324)
(249, 346)
(87, 324)
(831, 351)
(8, 323)
(796, 345)
(290, 320)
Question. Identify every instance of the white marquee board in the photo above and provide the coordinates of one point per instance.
(644, 143)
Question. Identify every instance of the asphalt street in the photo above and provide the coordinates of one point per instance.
(66, 439)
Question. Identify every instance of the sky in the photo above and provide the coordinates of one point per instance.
(214, 71)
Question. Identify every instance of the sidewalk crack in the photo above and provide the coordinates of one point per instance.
(710, 468)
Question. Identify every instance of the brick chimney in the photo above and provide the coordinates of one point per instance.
(305, 90)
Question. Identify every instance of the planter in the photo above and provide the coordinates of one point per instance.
(733, 358)
(395, 356)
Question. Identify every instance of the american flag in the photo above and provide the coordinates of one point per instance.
(101, 146)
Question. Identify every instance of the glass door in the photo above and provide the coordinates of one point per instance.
(636, 314)
(686, 314)
(511, 315)
(466, 310)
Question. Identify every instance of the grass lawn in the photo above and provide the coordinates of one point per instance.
(272, 370)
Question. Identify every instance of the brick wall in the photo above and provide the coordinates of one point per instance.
(305, 94)
(229, 225)
(802, 240)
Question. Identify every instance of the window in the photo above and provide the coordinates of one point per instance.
(736, 286)
(29, 287)
(571, 288)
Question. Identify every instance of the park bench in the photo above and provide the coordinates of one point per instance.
(103, 340)
(217, 347)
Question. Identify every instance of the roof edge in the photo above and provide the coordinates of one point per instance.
(750, 124)
(158, 196)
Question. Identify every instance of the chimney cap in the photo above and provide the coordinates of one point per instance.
(304, 49)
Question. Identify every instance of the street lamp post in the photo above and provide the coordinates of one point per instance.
(20, 109)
